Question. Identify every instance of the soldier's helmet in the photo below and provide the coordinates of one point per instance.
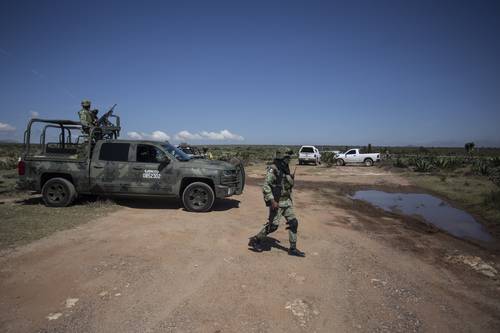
(86, 103)
(284, 153)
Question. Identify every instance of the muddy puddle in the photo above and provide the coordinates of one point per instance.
(433, 210)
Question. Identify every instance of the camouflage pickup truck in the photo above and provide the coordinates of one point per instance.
(107, 166)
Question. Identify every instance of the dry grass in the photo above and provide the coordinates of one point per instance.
(26, 219)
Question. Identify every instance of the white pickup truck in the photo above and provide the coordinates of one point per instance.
(355, 156)
(309, 154)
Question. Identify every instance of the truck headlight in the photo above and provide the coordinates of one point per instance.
(228, 172)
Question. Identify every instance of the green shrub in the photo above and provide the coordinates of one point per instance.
(328, 158)
(447, 163)
(480, 167)
(494, 175)
(400, 163)
(412, 161)
(422, 165)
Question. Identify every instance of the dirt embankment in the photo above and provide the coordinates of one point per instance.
(153, 267)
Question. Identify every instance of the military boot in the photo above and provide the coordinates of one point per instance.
(293, 251)
(255, 243)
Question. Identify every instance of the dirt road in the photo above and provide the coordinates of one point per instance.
(153, 267)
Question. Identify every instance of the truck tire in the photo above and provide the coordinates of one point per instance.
(368, 162)
(340, 162)
(58, 192)
(198, 197)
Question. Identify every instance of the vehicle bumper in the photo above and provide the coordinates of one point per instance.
(308, 159)
(223, 191)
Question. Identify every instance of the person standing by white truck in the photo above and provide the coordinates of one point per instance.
(355, 156)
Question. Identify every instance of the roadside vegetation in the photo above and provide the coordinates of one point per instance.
(24, 217)
(471, 179)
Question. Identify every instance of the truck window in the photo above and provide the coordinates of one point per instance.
(149, 154)
(307, 150)
(114, 152)
(351, 152)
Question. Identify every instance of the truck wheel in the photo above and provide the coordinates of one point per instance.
(198, 197)
(368, 162)
(58, 192)
(340, 162)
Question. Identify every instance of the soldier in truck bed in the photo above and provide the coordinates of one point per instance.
(88, 118)
(277, 191)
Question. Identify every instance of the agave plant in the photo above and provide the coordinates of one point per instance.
(494, 175)
(481, 167)
(442, 162)
(447, 162)
(422, 165)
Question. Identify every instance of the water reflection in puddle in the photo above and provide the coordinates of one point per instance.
(432, 209)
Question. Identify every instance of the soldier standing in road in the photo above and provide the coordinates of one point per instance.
(87, 117)
(277, 191)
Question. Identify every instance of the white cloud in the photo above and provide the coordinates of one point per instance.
(186, 136)
(205, 135)
(222, 135)
(160, 136)
(155, 136)
(4, 127)
(134, 135)
(34, 114)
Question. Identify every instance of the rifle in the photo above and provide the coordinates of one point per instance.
(103, 121)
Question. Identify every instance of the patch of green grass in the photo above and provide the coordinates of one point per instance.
(25, 220)
(475, 193)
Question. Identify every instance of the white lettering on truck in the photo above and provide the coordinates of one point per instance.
(151, 174)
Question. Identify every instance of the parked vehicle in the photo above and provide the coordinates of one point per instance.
(309, 154)
(355, 156)
(63, 170)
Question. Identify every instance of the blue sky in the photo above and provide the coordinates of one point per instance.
(267, 72)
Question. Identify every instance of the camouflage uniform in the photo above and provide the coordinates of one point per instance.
(87, 117)
(276, 178)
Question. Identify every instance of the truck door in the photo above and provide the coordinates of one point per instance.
(109, 168)
(152, 171)
(350, 156)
